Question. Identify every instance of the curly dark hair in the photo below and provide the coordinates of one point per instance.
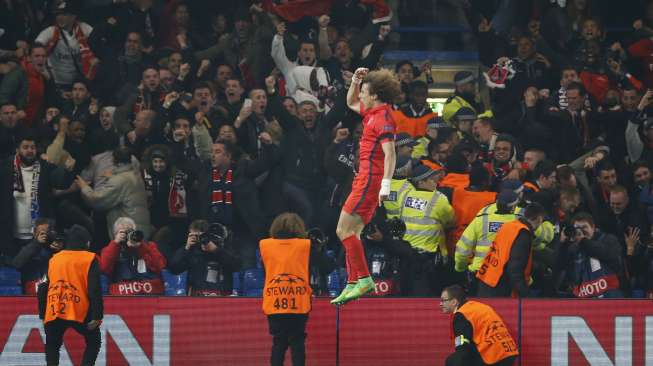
(287, 225)
(384, 84)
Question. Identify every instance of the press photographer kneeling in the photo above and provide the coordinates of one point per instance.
(133, 264)
(209, 258)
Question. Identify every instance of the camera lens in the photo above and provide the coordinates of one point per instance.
(135, 236)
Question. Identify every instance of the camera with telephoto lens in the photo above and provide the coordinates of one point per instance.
(217, 234)
(368, 230)
(571, 232)
(396, 228)
(317, 237)
(51, 236)
(134, 236)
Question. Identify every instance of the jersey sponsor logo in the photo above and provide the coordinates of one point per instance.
(416, 203)
(493, 226)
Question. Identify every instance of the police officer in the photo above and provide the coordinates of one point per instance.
(209, 258)
(506, 269)
(72, 297)
(464, 96)
(399, 187)
(427, 214)
(287, 291)
(480, 335)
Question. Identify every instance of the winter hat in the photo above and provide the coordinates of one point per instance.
(463, 77)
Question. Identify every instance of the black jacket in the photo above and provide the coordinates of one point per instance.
(114, 72)
(574, 135)
(198, 263)
(302, 149)
(249, 217)
(32, 261)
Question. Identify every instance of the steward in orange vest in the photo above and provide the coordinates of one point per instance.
(506, 269)
(480, 335)
(414, 117)
(287, 291)
(72, 297)
(468, 201)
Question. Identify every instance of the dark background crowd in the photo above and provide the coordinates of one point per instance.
(175, 131)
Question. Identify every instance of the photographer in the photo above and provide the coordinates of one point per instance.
(32, 260)
(389, 257)
(593, 259)
(209, 259)
(320, 264)
(132, 264)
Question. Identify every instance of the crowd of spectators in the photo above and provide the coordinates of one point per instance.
(175, 132)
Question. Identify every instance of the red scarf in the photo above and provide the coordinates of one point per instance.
(219, 196)
(88, 68)
(297, 9)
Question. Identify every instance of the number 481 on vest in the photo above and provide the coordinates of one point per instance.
(284, 303)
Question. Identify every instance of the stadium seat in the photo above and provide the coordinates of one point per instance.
(11, 290)
(237, 284)
(175, 285)
(334, 284)
(104, 282)
(253, 281)
(9, 277)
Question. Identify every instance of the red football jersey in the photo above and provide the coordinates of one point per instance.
(378, 127)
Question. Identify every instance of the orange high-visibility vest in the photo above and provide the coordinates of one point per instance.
(466, 205)
(414, 126)
(68, 285)
(495, 261)
(287, 287)
(490, 334)
(455, 180)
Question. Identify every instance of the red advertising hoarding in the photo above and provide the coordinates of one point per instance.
(166, 331)
(374, 331)
(403, 331)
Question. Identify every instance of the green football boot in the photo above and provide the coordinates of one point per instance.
(363, 286)
(339, 300)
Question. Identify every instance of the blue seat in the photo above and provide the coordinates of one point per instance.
(254, 293)
(334, 285)
(253, 281)
(9, 277)
(11, 290)
(175, 285)
(237, 284)
(104, 283)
